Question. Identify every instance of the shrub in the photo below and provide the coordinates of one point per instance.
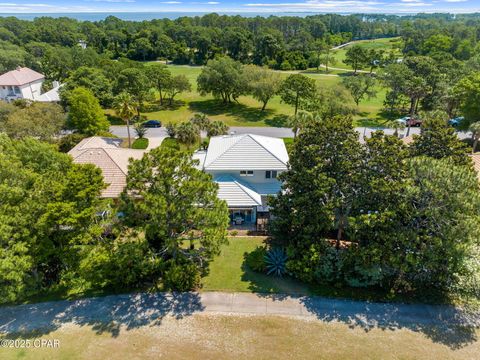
(141, 143)
(171, 143)
(255, 260)
(140, 130)
(183, 276)
(171, 130)
(120, 265)
(275, 260)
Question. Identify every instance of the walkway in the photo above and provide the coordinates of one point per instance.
(134, 310)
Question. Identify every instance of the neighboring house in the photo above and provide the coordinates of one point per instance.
(25, 83)
(246, 168)
(112, 159)
(476, 163)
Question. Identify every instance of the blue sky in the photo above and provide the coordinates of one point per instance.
(321, 6)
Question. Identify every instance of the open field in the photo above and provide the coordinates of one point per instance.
(386, 44)
(215, 336)
(248, 111)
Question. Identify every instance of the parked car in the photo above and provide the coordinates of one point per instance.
(410, 121)
(455, 121)
(152, 124)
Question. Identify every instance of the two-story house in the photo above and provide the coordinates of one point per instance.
(246, 168)
(21, 83)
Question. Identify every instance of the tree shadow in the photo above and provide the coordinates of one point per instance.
(153, 107)
(107, 314)
(238, 111)
(447, 325)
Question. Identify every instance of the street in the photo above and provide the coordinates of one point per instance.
(121, 131)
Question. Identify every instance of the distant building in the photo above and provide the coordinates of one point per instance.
(21, 83)
(25, 83)
(82, 44)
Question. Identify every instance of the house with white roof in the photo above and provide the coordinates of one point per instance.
(246, 168)
(110, 157)
(25, 83)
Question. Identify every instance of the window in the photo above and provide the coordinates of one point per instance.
(271, 174)
(246, 172)
(17, 90)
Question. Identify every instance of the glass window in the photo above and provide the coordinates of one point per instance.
(246, 172)
(271, 174)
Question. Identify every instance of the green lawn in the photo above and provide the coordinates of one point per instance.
(247, 112)
(386, 44)
(229, 273)
(140, 143)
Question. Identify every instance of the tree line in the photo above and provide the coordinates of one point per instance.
(380, 215)
(51, 45)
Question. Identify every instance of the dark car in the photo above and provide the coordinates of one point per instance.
(152, 124)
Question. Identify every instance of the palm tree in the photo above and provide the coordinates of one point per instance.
(187, 133)
(201, 121)
(475, 129)
(125, 108)
(217, 128)
(298, 122)
(396, 125)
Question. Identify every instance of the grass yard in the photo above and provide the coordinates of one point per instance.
(215, 336)
(229, 273)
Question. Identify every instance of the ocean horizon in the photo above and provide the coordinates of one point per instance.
(140, 16)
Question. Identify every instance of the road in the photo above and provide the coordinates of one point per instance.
(142, 309)
(279, 132)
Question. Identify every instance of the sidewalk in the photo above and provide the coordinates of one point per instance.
(134, 310)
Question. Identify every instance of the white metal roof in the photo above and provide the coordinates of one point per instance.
(236, 193)
(50, 96)
(20, 76)
(246, 151)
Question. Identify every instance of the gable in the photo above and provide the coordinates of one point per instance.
(246, 152)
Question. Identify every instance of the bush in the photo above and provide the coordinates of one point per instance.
(255, 260)
(141, 143)
(68, 142)
(123, 264)
(171, 143)
(183, 276)
(171, 130)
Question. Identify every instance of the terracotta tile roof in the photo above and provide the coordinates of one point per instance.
(476, 163)
(107, 155)
(20, 76)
